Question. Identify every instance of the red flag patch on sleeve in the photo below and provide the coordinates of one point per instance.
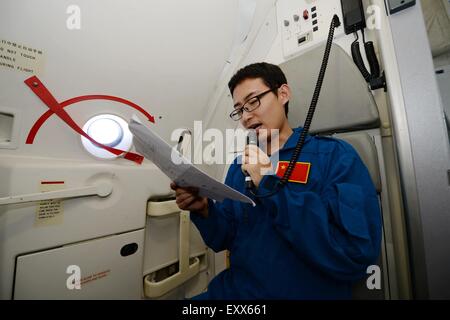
(299, 174)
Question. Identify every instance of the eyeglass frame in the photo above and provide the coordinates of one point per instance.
(244, 108)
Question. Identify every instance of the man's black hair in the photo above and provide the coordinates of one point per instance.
(271, 75)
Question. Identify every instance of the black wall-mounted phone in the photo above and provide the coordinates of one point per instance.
(353, 14)
(354, 20)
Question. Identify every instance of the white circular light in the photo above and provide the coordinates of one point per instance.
(106, 131)
(109, 130)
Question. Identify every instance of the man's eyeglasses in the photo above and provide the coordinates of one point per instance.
(250, 105)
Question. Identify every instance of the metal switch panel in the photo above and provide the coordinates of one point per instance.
(398, 5)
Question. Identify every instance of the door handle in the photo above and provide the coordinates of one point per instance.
(101, 190)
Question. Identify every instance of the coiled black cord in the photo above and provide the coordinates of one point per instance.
(374, 78)
(312, 108)
(315, 98)
(358, 60)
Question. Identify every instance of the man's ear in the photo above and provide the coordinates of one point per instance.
(284, 93)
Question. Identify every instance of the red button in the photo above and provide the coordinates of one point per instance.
(306, 14)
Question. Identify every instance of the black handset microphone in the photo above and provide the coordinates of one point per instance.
(252, 139)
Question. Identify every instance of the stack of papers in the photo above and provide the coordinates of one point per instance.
(183, 172)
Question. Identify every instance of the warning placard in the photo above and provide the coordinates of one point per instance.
(94, 277)
(49, 212)
(19, 57)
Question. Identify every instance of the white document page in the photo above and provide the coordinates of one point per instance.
(183, 173)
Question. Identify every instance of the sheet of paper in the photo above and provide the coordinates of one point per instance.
(183, 172)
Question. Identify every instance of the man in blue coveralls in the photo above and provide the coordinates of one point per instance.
(316, 235)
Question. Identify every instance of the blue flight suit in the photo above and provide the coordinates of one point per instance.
(308, 241)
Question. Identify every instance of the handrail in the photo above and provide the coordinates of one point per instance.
(185, 270)
(101, 190)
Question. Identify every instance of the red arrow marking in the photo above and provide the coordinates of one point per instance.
(38, 124)
(42, 92)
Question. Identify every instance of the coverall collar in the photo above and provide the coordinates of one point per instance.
(293, 138)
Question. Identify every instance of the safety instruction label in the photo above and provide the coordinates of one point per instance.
(49, 212)
(19, 57)
(94, 277)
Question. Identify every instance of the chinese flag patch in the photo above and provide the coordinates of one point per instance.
(298, 175)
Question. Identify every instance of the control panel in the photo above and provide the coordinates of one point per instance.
(304, 23)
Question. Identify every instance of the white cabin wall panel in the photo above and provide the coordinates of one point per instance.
(163, 55)
(105, 272)
(82, 218)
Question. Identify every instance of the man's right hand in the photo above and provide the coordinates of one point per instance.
(187, 198)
